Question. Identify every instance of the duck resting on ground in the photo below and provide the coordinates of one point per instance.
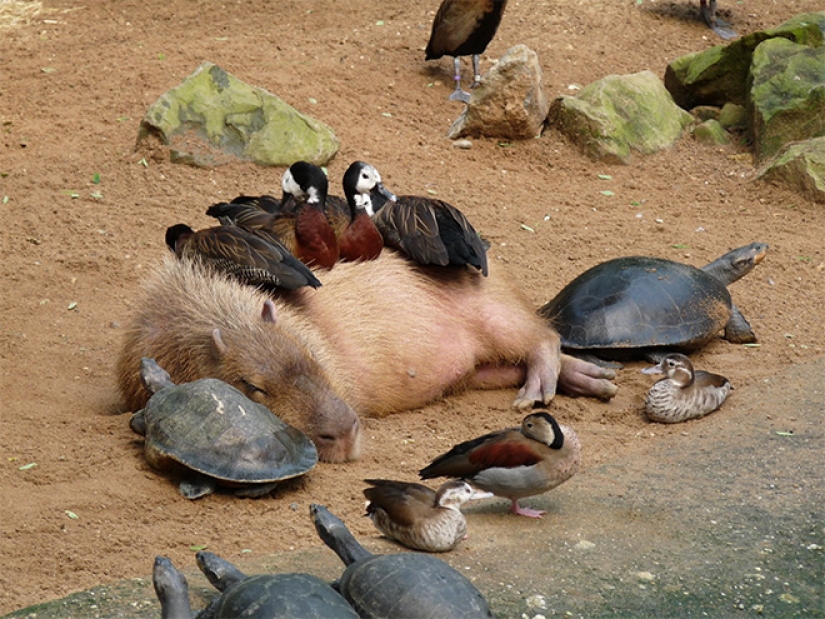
(419, 517)
(464, 28)
(684, 393)
(516, 462)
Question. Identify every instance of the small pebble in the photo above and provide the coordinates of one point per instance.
(463, 144)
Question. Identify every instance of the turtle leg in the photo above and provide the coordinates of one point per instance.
(580, 377)
(197, 486)
(738, 329)
(256, 490)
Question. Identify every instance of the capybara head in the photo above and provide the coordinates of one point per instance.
(278, 372)
(197, 324)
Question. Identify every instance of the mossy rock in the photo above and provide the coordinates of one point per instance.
(800, 166)
(213, 117)
(719, 75)
(787, 95)
(620, 114)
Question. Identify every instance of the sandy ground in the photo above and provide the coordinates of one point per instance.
(80, 506)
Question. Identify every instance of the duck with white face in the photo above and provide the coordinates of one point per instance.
(684, 393)
(516, 462)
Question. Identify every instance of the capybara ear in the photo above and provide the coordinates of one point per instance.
(269, 312)
(218, 348)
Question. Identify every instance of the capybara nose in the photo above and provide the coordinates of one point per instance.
(342, 447)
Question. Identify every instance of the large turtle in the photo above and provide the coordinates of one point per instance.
(397, 586)
(211, 434)
(642, 306)
(264, 596)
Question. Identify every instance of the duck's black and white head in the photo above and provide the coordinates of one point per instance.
(306, 182)
(456, 493)
(362, 183)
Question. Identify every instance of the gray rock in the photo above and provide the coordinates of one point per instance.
(619, 114)
(213, 118)
(720, 74)
(800, 166)
(711, 132)
(787, 95)
(509, 103)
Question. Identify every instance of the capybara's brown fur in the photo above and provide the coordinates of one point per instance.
(198, 324)
(384, 335)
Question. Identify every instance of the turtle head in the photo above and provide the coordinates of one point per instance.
(737, 263)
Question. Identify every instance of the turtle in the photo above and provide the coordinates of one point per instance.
(398, 586)
(639, 306)
(210, 434)
(262, 596)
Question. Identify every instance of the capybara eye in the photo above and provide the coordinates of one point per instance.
(252, 391)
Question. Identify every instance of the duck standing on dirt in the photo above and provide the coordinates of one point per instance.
(707, 9)
(464, 28)
(419, 517)
(684, 393)
(516, 462)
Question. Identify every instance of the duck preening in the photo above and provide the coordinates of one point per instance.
(418, 516)
(254, 258)
(684, 393)
(464, 28)
(516, 462)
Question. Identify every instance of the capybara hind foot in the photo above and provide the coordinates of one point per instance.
(543, 369)
(580, 377)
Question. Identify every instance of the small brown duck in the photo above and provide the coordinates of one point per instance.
(684, 393)
(516, 462)
(419, 517)
(302, 226)
(430, 232)
(358, 238)
(464, 28)
(254, 258)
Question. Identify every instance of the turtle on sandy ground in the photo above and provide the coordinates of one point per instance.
(210, 434)
(264, 596)
(402, 586)
(639, 306)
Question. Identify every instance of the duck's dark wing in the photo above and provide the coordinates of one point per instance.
(253, 258)
(405, 502)
(496, 449)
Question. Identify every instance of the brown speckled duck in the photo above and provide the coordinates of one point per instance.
(516, 462)
(254, 258)
(684, 393)
(417, 516)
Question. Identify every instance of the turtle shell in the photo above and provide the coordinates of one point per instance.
(638, 302)
(210, 427)
(410, 585)
(291, 596)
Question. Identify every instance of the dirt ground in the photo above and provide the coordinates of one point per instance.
(80, 506)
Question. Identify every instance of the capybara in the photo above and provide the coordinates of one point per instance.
(198, 324)
(384, 335)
